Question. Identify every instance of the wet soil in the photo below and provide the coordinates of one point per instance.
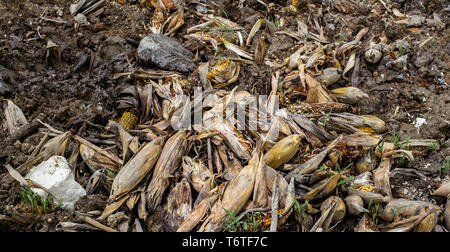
(79, 92)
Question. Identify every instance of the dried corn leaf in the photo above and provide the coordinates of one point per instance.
(168, 163)
(140, 165)
(196, 173)
(235, 196)
(443, 190)
(406, 208)
(179, 204)
(323, 190)
(15, 119)
(254, 30)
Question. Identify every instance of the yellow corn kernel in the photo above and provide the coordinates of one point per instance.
(129, 119)
(218, 69)
(366, 188)
(367, 130)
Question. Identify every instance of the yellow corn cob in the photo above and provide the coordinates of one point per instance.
(129, 119)
(367, 130)
(366, 188)
(218, 69)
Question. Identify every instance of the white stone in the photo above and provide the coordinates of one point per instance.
(56, 176)
(419, 123)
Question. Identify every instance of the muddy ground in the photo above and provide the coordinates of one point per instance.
(78, 97)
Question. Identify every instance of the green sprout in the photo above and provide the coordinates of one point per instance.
(301, 209)
(431, 147)
(396, 140)
(395, 212)
(380, 148)
(443, 169)
(232, 223)
(37, 203)
(401, 50)
(341, 179)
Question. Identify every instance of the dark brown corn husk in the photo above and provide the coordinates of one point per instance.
(168, 163)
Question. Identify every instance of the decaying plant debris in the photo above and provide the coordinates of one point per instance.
(339, 86)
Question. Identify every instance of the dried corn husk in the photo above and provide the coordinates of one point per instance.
(428, 223)
(289, 203)
(308, 125)
(340, 211)
(381, 174)
(323, 190)
(317, 109)
(179, 204)
(146, 102)
(358, 123)
(349, 95)
(318, 175)
(361, 139)
(196, 173)
(224, 73)
(98, 149)
(421, 146)
(364, 179)
(261, 50)
(254, 30)
(365, 163)
(236, 195)
(130, 144)
(367, 196)
(323, 223)
(56, 146)
(260, 191)
(363, 225)
(233, 138)
(443, 190)
(174, 22)
(140, 165)
(236, 49)
(316, 92)
(330, 76)
(283, 151)
(374, 53)
(350, 65)
(352, 44)
(405, 225)
(406, 208)
(271, 174)
(15, 118)
(314, 163)
(96, 161)
(355, 205)
(167, 165)
(198, 214)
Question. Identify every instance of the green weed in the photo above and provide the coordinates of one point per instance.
(37, 203)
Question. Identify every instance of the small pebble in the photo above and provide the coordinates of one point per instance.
(17, 144)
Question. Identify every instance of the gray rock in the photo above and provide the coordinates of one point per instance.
(436, 22)
(415, 20)
(165, 53)
(6, 79)
(5, 89)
